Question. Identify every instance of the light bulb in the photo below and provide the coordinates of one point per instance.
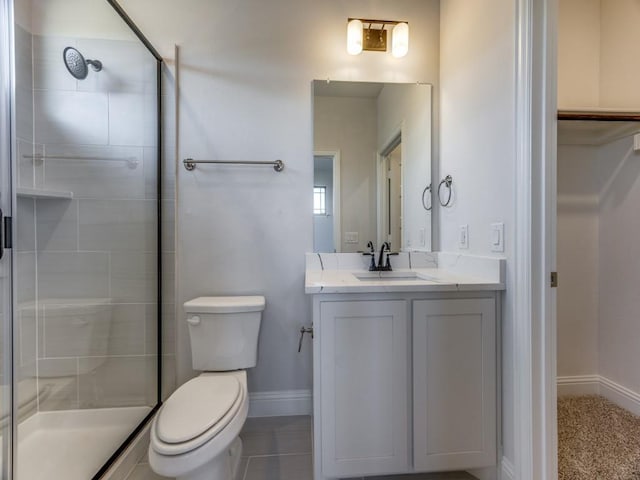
(354, 37)
(400, 40)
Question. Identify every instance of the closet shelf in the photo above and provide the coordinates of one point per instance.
(599, 115)
(596, 126)
(41, 193)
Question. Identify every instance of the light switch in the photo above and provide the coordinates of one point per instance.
(350, 237)
(463, 240)
(497, 237)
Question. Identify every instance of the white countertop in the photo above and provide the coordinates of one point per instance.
(347, 273)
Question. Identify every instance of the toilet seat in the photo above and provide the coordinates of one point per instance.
(196, 412)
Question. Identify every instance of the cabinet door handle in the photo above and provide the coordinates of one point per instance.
(1, 235)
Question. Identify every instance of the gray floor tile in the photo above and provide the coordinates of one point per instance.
(280, 467)
(279, 448)
(244, 461)
(144, 472)
(268, 424)
(276, 442)
(276, 435)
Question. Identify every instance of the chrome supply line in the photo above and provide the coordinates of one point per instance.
(190, 163)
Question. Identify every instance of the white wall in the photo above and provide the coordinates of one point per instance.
(619, 264)
(597, 48)
(246, 72)
(577, 251)
(77, 18)
(477, 143)
(598, 230)
(620, 37)
(578, 53)
(348, 125)
(408, 107)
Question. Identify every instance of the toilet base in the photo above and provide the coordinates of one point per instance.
(223, 467)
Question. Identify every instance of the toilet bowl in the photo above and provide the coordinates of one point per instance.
(204, 443)
(194, 436)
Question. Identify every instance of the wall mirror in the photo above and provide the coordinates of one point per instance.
(372, 165)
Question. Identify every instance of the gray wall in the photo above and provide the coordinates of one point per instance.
(245, 93)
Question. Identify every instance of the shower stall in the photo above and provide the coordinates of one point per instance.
(80, 236)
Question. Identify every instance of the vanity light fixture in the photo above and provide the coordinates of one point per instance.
(371, 35)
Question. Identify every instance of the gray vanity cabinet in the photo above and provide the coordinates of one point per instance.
(364, 395)
(454, 384)
(404, 383)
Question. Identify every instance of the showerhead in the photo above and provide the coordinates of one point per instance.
(77, 65)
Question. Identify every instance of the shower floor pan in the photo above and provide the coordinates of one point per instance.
(72, 444)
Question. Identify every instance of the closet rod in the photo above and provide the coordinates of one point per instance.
(599, 117)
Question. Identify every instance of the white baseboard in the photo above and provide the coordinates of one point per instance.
(627, 399)
(507, 471)
(597, 384)
(579, 385)
(279, 403)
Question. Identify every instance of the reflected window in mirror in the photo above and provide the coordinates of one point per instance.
(319, 200)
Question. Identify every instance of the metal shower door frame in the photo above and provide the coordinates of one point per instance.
(7, 147)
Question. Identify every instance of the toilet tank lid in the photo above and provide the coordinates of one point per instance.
(225, 304)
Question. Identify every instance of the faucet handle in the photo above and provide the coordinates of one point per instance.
(371, 247)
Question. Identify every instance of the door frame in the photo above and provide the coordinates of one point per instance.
(392, 142)
(335, 207)
(534, 338)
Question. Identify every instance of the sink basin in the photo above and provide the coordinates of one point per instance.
(393, 277)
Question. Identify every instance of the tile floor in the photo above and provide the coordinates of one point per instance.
(279, 448)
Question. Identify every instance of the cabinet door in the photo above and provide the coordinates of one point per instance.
(454, 374)
(364, 387)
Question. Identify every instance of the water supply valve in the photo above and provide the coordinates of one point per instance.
(304, 330)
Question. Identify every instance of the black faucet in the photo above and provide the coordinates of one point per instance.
(381, 266)
(372, 254)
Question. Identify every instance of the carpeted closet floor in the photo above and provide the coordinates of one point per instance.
(597, 440)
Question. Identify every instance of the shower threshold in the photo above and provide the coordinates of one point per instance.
(72, 444)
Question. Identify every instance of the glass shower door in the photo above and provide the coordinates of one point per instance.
(86, 311)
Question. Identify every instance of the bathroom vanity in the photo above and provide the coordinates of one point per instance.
(405, 363)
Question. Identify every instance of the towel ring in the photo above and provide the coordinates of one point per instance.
(447, 181)
(424, 205)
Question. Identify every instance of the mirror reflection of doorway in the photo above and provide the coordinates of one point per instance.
(392, 214)
(323, 193)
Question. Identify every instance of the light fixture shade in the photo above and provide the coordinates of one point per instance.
(354, 37)
(400, 40)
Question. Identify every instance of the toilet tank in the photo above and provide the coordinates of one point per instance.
(224, 331)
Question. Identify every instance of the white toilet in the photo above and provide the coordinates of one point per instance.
(195, 434)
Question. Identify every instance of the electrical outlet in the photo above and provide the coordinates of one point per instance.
(463, 239)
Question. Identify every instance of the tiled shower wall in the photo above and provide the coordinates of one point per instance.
(87, 266)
